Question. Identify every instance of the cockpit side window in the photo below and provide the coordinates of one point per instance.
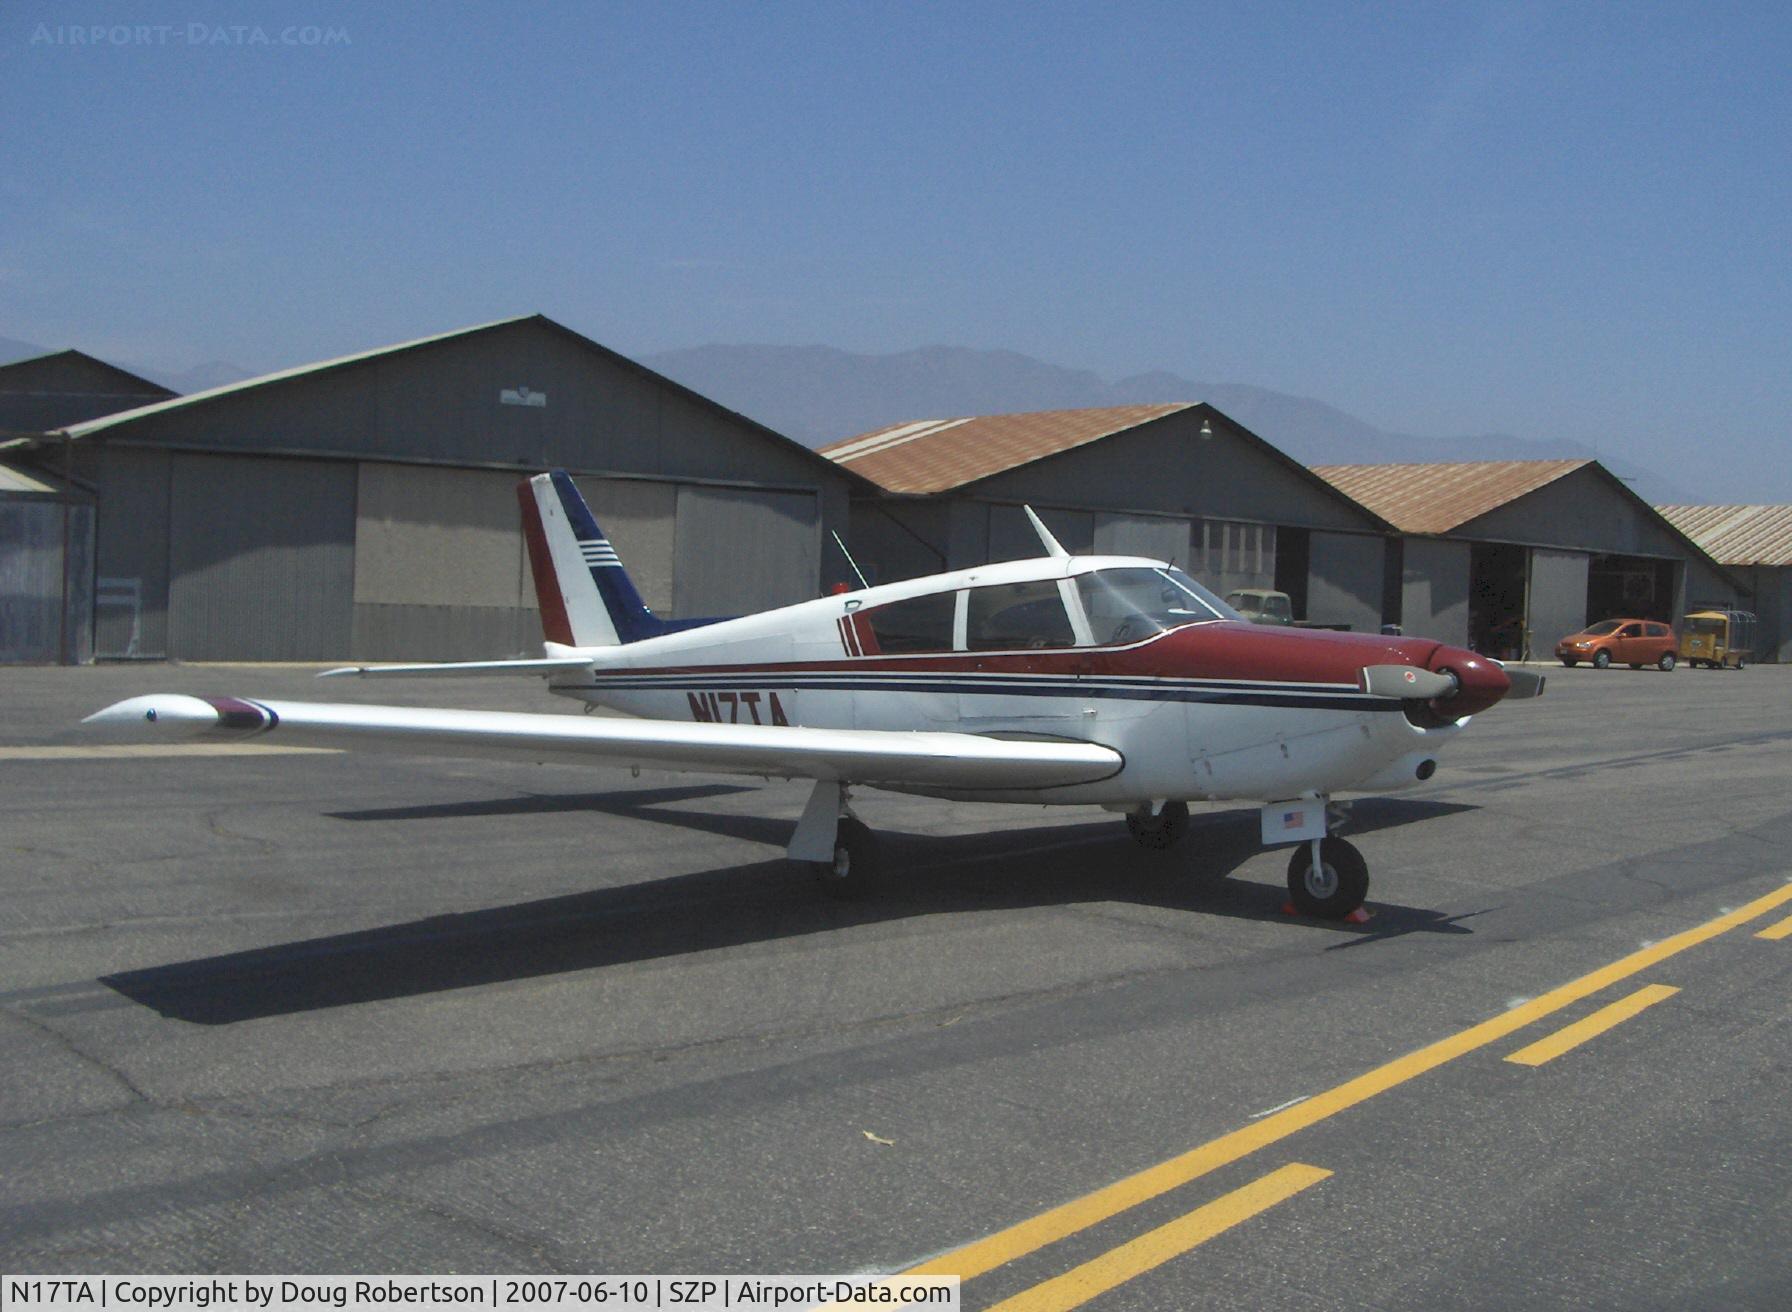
(1129, 603)
(1017, 616)
(914, 624)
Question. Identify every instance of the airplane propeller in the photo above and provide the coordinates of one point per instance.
(1407, 682)
(1413, 684)
(1525, 683)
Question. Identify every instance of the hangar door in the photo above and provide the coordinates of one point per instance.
(46, 568)
(261, 558)
(1159, 537)
(739, 550)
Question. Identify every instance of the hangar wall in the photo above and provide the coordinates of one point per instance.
(258, 573)
(1434, 587)
(1166, 467)
(1161, 537)
(1770, 597)
(1581, 509)
(894, 540)
(46, 568)
(1775, 591)
(742, 550)
(439, 564)
(1344, 579)
(365, 508)
(441, 404)
(1145, 490)
(1557, 597)
(1584, 510)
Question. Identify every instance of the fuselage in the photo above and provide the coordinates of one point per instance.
(1200, 703)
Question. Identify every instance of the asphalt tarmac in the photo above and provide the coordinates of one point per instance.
(310, 1012)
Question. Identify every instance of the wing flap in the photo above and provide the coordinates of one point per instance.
(865, 756)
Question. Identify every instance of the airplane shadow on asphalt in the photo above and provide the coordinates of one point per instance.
(762, 901)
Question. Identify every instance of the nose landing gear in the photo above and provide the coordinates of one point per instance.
(1327, 878)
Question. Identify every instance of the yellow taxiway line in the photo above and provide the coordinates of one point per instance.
(1079, 1214)
(1781, 930)
(1152, 1249)
(1572, 1036)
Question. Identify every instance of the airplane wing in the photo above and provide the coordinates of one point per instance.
(862, 756)
(455, 669)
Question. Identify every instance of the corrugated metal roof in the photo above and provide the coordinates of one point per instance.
(1440, 498)
(1737, 535)
(934, 455)
(299, 371)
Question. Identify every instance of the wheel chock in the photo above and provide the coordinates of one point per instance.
(1357, 917)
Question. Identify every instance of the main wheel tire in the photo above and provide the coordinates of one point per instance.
(1334, 890)
(855, 871)
(1666, 663)
(1570, 663)
(1602, 660)
(1160, 831)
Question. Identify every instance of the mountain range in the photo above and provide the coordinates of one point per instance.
(214, 373)
(818, 394)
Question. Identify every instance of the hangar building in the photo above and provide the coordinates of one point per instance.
(1755, 544)
(46, 522)
(1507, 556)
(65, 387)
(1178, 482)
(364, 507)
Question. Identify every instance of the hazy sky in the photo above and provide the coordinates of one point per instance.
(1562, 219)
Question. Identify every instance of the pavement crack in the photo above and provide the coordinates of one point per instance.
(531, 1247)
(80, 1054)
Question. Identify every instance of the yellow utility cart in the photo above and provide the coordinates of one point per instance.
(1717, 637)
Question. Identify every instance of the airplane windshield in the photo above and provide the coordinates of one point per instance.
(1128, 603)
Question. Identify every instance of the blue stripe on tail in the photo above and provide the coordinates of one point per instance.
(631, 616)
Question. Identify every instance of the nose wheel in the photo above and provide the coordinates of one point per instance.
(1327, 878)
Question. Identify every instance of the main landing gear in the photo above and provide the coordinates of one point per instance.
(1160, 829)
(836, 844)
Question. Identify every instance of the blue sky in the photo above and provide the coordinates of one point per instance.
(1562, 220)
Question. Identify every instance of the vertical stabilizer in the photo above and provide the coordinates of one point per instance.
(587, 599)
(568, 555)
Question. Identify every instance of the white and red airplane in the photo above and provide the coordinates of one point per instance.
(1071, 680)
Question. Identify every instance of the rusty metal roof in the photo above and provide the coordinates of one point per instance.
(1441, 498)
(1737, 535)
(934, 455)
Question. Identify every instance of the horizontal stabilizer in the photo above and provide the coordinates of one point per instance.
(542, 666)
(866, 756)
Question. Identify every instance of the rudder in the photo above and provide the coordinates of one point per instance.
(586, 597)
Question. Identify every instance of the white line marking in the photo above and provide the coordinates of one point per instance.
(1292, 1102)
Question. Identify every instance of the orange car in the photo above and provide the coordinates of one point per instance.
(1634, 642)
